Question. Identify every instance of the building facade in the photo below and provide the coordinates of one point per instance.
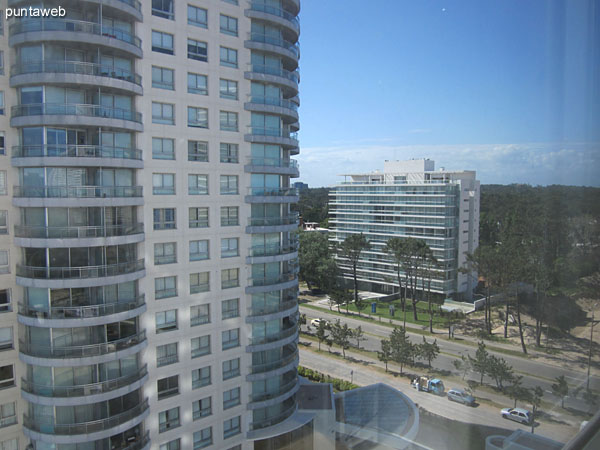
(410, 199)
(148, 264)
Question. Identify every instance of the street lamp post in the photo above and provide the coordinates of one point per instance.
(590, 350)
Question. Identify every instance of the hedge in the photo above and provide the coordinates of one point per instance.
(338, 384)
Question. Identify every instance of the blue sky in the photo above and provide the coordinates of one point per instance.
(504, 87)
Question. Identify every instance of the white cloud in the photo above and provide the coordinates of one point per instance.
(531, 163)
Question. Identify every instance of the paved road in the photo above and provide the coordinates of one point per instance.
(482, 414)
(534, 373)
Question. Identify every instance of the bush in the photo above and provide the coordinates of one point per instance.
(338, 384)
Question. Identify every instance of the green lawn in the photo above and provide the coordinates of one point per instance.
(383, 310)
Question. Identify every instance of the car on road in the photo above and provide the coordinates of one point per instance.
(315, 323)
(460, 396)
(518, 415)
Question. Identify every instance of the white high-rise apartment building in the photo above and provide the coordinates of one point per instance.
(148, 269)
(410, 199)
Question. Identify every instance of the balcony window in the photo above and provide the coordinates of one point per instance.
(166, 321)
(197, 16)
(197, 117)
(7, 376)
(197, 50)
(229, 247)
(199, 250)
(202, 408)
(197, 84)
(163, 183)
(231, 398)
(167, 387)
(163, 113)
(203, 438)
(199, 282)
(171, 445)
(229, 216)
(164, 218)
(199, 315)
(230, 308)
(229, 57)
(197, 184)
(201, 377)
(169, 419)
(166, 354)
(8, 414)
(230, 278)
(164, 9)
(163, 78)
(230, 339)
(162, 42)
(231, 427)
(198, 151)
(228, 121)
(5, 300)
(231, 369)
(229, 184)
(165, 287)
(198, 217)
(3, 190)
(200, 346)
(229, 153)
(163, 148)
(228, 89)
(228, 25)
(165, 253)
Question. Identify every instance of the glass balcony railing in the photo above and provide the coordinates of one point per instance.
(83, 389)
(276, 71)
(75, 67)
(273, 221)
(61, 273)
(261, 7)
(26, 231)
(273, 191)
(274, 101)
(274, 250)
(76, 26)
(273, 420)
(47, 423)
(77, 191)
(75, 151)
(261, 310)
(287, 358)
(133, 3)
(277, 41)
(257, 340)
(89, 110)
(273, 393)
(274, 162)
(283, 132)
(83, 311)
(273, 279)
(81, 351)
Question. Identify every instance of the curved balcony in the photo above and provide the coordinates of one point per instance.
(130, 7)
(272, 253)
(63, 155)
(279, 282)
(75, 72)
(92, 391)
(45, 427)
(287, 388)
(86, 315)
(273, 14)
(75, 114)
(272, 195)
(61, 273)
(274, 368)
(77, 191)
(272, 224)
(73, 31)
(273, 105)
(81, 351)
(273, 165)
(269, 312)
(268, 74)
(274, 44)
(283, 334)
(83, 236)
(273, 420)
(270, 135)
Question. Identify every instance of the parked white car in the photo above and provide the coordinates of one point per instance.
(315, 323)
(518, 415)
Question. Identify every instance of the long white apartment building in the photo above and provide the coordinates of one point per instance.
(148, 265)
(410, 199)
